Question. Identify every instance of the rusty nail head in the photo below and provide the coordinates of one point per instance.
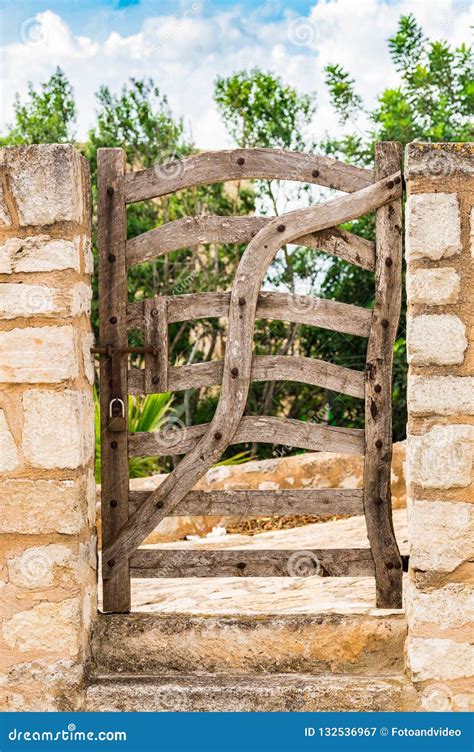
(155, 380)
(242, 301)
(389, 564)
(113, 503)
(388, 261)
(111, 258)
(377, 388)
(218, 435)
(234, 372)
(379, 443)
(160, 504)
(241, 565)
(111, 562)
(240, 161)
(385, 323)
(315, 173)
(113, 319)
(398, 180)
(113, 444)
(379, 500)
(390, 184)
(281, 228)
(110, 191)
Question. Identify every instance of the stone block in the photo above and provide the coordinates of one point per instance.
(9, 459)
(38, 253)
(42, 566)
(442, 457)
(433, 658)
(433, 226)
(433, 286)
(441, 395)
(46, 628)
(88, 358)
(441, 534)
(38, 355)
(46, 183)
(447, 607)
(58, 428)
(43, 506)
(4, 213)
(435, 340)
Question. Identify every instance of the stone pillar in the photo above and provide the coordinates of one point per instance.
(47, 554)
(440, 291)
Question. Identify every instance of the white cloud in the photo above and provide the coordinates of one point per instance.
(185, 53)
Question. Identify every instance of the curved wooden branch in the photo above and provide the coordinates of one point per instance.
(244, 164)
(238, 358)
(298, 434)
(264, 368)
(191, 231)
(300, 309)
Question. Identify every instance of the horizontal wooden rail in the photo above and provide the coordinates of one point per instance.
(264, 368)
(175, 439)
(322, 562)
(192, 231)
(244, 164)
(238, 503)
(300, 309)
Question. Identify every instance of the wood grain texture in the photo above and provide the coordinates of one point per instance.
(319, 562)
(309, 501)
(264, 368)
(192, 231)
(300, 309)
(262, 428)
(378, 397)
(112, 306)
(238, 358)
(155, 319)
(244, 164)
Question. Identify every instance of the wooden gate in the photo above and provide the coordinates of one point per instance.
(127, 518)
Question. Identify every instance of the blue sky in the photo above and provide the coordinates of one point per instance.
(184, 44)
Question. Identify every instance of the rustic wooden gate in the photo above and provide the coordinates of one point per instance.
(127, 518)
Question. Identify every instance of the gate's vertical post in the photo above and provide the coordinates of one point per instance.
(112, 234)
(378, 387)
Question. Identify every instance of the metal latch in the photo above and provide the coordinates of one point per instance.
(117, 408)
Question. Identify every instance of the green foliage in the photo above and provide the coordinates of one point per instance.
(47, 116)
(147, 413)
(259, 110)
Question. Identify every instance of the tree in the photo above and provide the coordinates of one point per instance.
(434, 102)
(47, 116)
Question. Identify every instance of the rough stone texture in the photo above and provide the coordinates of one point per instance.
(46, 628)
(36, 355)
(447, 541)
(441, 457)
(436, 340)
(88, 358)
(441, 395)
(278, 693)
(311, 470)
(336, 643)
(433, 658)
(433, 286)
(439, 594)
(9, 458)
(38, 178)
(433, 226)
(58, 428)
(448, 607)
(38, 253)
(43, 506)
(47, 543)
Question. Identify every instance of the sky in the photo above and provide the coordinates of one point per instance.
(184, 45)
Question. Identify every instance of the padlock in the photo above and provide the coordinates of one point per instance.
(117, 417)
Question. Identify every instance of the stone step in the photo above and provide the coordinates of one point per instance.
(248, 693)
(357, 644)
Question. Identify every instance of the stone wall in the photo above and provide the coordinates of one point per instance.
(47, 551)
(440, 289)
